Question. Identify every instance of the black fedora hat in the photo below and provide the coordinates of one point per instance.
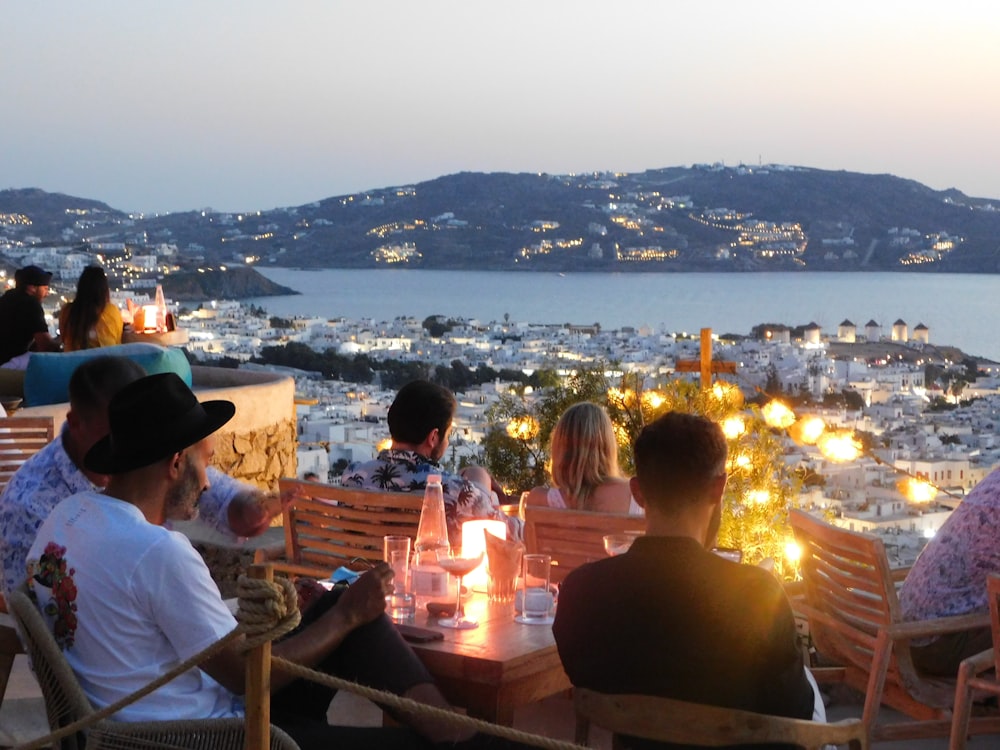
(153, 418)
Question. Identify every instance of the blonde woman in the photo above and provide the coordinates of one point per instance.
(584, 465)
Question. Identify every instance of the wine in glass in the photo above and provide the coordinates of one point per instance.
(458, 566)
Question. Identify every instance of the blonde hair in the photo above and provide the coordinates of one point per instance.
(584, 452)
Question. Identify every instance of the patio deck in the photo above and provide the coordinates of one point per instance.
(22, 716)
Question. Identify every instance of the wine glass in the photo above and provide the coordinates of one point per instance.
(453, 562)
(618, 544)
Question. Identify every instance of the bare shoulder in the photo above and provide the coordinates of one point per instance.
(613, 496)
(538, 496)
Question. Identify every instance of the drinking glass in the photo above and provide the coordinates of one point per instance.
(537, 599)
(401, 603)
(619, 544)
(453, 562)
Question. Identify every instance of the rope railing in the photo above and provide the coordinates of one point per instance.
(267, 611)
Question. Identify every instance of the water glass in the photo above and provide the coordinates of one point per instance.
(537, 600)
(401, 604)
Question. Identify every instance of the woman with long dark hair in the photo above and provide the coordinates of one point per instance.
(90, 320)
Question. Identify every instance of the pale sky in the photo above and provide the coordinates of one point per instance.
(179, 105)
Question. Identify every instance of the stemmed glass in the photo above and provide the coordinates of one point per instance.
(453, 562)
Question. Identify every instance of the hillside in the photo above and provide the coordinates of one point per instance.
(705, 217)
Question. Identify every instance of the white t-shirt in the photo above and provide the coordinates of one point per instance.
(145, 601)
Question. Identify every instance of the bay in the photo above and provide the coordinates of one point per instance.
(959, 309)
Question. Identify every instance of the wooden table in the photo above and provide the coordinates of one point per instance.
(496, 667)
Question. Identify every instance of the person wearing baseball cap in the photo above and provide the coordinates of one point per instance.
(22, 320)
(130, 599)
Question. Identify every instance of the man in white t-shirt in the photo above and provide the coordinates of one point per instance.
(129, 599)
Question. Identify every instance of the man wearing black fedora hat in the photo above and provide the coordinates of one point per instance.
(22, 320)
(129, 599)
(230, 507)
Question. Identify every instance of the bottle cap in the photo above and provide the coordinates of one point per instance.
(433, 479)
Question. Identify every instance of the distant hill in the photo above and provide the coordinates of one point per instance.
(233, 283)
(704, 217)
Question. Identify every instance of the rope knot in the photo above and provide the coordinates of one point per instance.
(267, 609)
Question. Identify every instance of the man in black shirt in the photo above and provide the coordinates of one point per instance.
(669, 617)
(22, 321)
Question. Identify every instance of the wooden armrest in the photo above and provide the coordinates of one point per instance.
(980, 662)
(268, 554)
(294, 570)
(939, 626)
(899, 574)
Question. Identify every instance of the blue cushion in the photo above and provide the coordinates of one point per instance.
(46, 380)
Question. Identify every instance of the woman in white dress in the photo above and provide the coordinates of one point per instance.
(584, 465)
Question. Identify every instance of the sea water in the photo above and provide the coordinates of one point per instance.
(958, 309)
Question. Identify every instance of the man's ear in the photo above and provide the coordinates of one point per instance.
(633, 485)
(176, 464)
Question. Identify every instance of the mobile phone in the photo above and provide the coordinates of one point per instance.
(416, 634)
(729, 553)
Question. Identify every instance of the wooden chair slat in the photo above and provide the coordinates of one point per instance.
(329, 526)
(855, 620)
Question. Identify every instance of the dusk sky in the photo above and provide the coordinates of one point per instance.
(246, 105)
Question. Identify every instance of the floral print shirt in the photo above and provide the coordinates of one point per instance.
(407, 471)
(949, 576)
(50, 476)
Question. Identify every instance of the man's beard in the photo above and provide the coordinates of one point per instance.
(182, 498)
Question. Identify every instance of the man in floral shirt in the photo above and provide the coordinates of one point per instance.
(949, 578)
(57, 471)
(420, 424)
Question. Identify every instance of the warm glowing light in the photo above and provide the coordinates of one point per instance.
(919, 491)
(777, 415)
(758, 497)
(793, 551)
(623, 397)
(807, 430)
(728, 393)
(474, 542)
(522, 428)
(733, 427)
(384, 444)
(739, 462)
(652, 399)
(839, 446)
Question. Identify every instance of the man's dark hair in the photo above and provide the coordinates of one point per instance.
(677, 457)
(95, 381)
(418, 408)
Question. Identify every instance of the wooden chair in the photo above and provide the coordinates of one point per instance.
(572, 537)
(20, 439)
(977, 673)
(66, 703)
(329, 527)
(668, 720)
(854, 620)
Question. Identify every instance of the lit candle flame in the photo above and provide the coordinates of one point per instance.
(777, 415)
